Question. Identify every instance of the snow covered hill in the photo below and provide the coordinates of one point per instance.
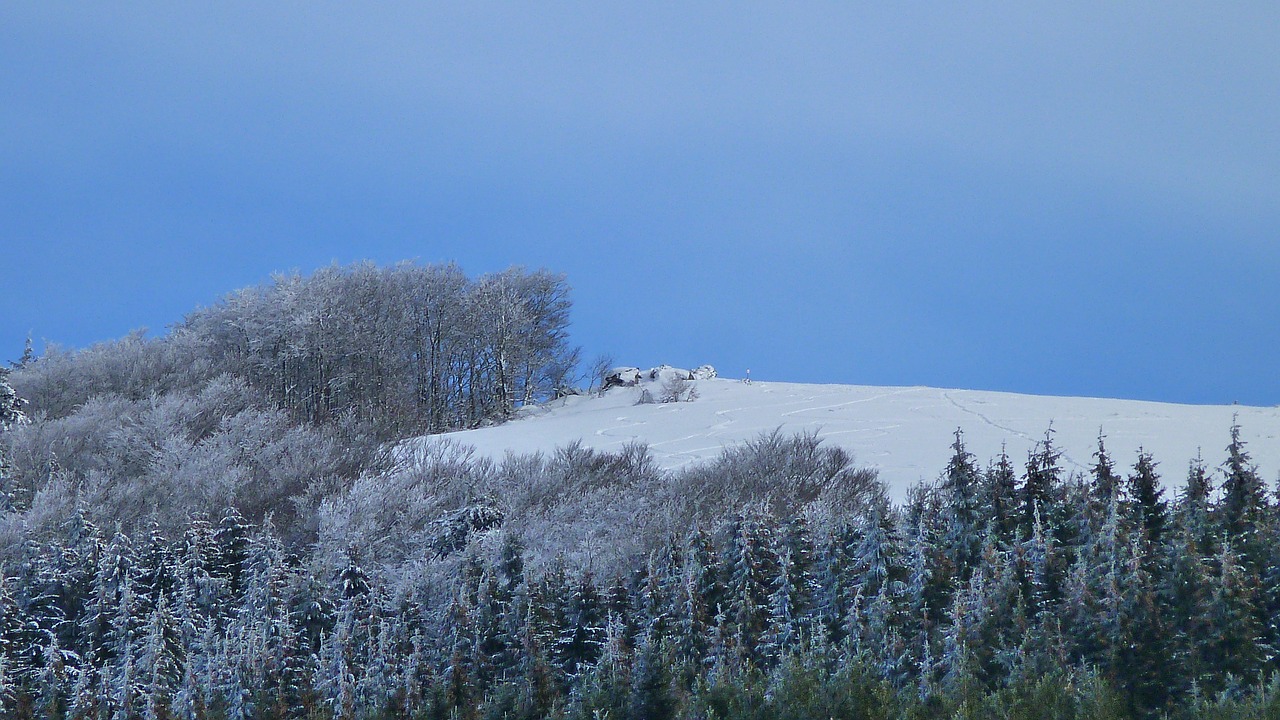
(904, 432)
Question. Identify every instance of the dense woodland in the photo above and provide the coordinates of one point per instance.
(224, 523)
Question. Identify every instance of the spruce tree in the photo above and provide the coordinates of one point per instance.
(28, 354)
(751, 573)
(1105, 483)
(1184, 592)
(158, 661)
(651, 681)
(8, 688)
(335, 678)
(1193, 511)
(11, 413)
(52, 691)
(1002, 492)
(1150, 511)
(1142, 657)
(492, 643)
(156, 573)
(1244, 509)
(703, 595)
(230, 552)
(580, 637)
(1041, 487)
(1234, 645)
(960, 491)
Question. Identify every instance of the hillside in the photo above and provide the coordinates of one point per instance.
(903, 432)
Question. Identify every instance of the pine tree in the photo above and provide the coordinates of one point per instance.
(36, 617)
(156, 575)
(1244, 508)
(582, 634)
(159, 661)
(651, 681)
(352, 581)
(11, 405)
(546, 625)
(11, 415)
(834, 577)
(1040, 584)
(1041, 487)
(8, 689)
(997, 619)
(198, 596)
(751, 570)
(874, 559)
(1142, 651)
(107, 626)
(606, 692)
(1184, 594)
(1149, 508)
(54, 682)
(335, 675)
(541, 685)
(961, 511)
(794, 588)
(511, 564)
(1105, 483)
(1234, 646)
(921, 606)
(28, 353)
(11, 621)
(702, 595)
(492, 644)
(785, 618)
(126, 686)
(1082, 609)
(1002, 493)
(230, 553)
(311, 611)
(1193, 509)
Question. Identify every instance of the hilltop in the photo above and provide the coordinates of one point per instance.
(905, 433)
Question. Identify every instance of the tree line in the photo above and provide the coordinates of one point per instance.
(998, 591)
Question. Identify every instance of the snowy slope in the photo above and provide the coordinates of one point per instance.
(904, 432)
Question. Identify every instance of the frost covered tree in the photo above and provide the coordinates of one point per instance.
(11, 405)
(751, 566)
(1244, 509)
(11, 415)
(1001, 493)
(960, 494)
(1042, 486)
(1150, 511)
(1104, 489)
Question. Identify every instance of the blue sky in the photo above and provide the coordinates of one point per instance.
(1074, 199)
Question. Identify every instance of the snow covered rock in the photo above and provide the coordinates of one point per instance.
(666, 372)
(623, 376)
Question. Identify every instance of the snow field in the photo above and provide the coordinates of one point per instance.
(903, 432)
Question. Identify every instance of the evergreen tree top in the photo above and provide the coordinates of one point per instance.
(11, 405)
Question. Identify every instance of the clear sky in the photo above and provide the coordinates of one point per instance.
(1059, 198)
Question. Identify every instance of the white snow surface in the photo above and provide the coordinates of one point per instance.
(903, 432)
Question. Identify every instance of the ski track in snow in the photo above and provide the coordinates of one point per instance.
(985, 419)
(1011, 430)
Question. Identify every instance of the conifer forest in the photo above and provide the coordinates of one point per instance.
(241, 519)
